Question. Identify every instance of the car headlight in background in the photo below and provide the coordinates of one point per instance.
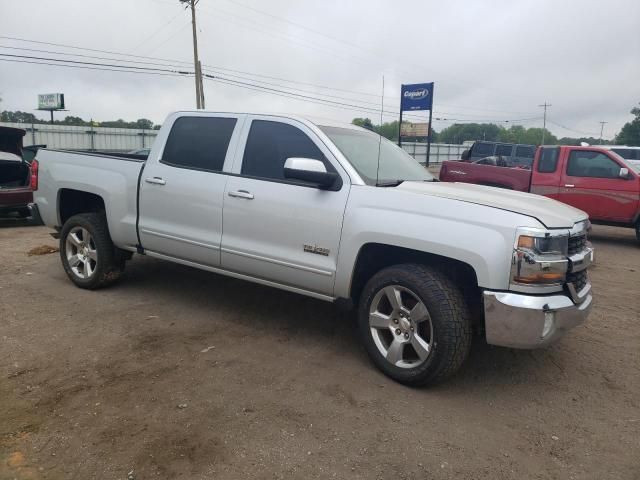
(539, 260)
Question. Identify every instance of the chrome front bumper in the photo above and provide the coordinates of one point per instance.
(527, 321)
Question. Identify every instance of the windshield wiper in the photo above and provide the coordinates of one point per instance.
(389, 183)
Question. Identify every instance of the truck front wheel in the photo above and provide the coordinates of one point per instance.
(415, 324)
(88, 255)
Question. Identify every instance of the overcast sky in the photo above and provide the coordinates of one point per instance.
(490, 60)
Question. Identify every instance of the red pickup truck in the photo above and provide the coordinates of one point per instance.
(593, 179)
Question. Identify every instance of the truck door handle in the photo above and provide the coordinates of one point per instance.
(569, 185)
(241, 194)
(156, 181)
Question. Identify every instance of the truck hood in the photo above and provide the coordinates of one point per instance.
(549, 212)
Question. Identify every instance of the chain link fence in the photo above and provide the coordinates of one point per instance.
(438, 154)
(71, 137)
(125, 139)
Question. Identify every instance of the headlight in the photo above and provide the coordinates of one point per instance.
(539, 260)
(544, 245)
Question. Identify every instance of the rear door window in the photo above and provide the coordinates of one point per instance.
(548, 160)
(504, 150)
(481, 149)
(586, 163)
(525, 151)
(199, 143)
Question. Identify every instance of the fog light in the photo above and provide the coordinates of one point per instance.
(549, 320)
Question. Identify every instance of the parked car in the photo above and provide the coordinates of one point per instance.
(336, 213)
(517, 155)
(15, 175)
(594, 179)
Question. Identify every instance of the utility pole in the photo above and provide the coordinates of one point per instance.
(196, 62)
(601, 130)
(544, 119)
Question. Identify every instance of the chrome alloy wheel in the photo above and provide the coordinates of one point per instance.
(81, 253)
(401, 326)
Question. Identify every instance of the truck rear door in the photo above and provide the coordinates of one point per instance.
(591, 182)
(546, 172)
(181, 193)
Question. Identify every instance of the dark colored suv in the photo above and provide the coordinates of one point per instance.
(517, 155)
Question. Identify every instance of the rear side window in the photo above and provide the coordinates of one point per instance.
(271, 143)
(585, 163)
(525, 151)
(480, 149)
(548, 160)
(504, 150)
(199, 143)
(628, 153)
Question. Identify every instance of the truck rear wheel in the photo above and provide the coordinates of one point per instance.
(88, 255)
(415, 324)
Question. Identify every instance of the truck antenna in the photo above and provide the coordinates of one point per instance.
(380, 130)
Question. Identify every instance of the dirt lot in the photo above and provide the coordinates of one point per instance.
(178, 373)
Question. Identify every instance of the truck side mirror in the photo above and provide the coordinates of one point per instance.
(624, 173)
(312, 171)
(465, 155)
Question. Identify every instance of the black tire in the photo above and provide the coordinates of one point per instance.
(638, 230)
(109, 263)
(450, 322)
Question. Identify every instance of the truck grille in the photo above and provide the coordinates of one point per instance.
(578, 279)
(577, 243)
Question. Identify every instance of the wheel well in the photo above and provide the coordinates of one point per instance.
(373, 257)
(71, 202)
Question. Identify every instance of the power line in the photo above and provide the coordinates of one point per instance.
(232, 75)
(249, 85)
(94, 68)
(92, 49)
(133, 67)
(572, 129)
(169, 38)
(156, 31)
(173, 62)
(94, 57)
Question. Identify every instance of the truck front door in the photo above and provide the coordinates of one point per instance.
(279, 230)
(181, 193)
(591, 182)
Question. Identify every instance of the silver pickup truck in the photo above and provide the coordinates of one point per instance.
(336, 213)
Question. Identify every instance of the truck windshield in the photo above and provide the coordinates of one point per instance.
(361, 147)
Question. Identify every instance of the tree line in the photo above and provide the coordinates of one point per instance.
(460, 132)
(26, 117)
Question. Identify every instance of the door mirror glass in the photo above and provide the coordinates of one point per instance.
(624, 173)
(309, 170)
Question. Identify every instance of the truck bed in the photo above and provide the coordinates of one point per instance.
(113, 177)
(503, 177)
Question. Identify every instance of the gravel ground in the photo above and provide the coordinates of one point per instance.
(178, 373)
